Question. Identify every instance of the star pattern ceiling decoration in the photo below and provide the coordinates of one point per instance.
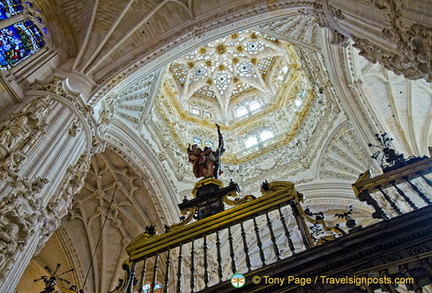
(230, 66)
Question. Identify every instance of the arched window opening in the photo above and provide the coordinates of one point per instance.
(209, 143)
(258, 138)
(200, 111)
(300, 98)
(197, 140)
(247, 109)
(251, 141)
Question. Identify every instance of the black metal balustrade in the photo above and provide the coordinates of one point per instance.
(194, 256)
(272, 236)
(398, 191)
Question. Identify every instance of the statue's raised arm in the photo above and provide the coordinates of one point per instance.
(219, 152)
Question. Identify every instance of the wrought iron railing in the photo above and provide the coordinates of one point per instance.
(398, 191)
(211, 244)
(192, 256)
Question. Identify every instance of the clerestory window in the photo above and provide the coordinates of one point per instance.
(258, 137)
(247, 109)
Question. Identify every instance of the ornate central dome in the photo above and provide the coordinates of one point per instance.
(248, 82)
(243, 63)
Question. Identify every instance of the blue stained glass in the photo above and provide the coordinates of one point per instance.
(9, 8)
(18, 42)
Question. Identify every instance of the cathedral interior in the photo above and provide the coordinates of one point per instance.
(100, 101)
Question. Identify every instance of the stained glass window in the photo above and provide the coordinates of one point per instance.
(19, 41)
(9, 8)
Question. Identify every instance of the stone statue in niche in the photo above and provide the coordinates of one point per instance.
(14, 132)
(206, 162)
(23, 126)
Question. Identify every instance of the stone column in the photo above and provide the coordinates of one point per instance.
(45, 151)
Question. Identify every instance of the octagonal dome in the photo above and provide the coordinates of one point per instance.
(248, 82)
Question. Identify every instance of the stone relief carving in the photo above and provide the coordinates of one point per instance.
(58, 206)
(20, 213)
(75, 127)
(412, 56)
(131, 103)
(75, 179)
(108, 109)
(23, 127)
(414, 45)
(344, 157)
(17, 134)
(10, 166)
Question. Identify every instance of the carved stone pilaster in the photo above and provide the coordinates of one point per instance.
(60, 90)
(109, 107)
(58, 205)
(75, 127)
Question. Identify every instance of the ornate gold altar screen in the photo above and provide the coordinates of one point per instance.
(193, 255)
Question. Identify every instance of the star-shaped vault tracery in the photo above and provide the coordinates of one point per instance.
(227, 67)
